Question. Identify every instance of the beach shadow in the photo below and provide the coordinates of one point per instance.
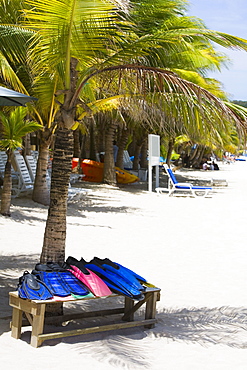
(23, 216)
(11, 268)
(27, 211)
(126, 348)
(98, 204)
(205, 326)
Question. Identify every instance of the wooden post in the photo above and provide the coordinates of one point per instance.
(151, 308)
(16, 323)
(128, 305)
(38, 326)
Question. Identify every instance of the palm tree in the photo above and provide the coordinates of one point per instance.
(15, 127)
(73, 43)
(15, 72)
(74, 58)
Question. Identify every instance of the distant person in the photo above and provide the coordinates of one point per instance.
(211, 166)
(216, 167)
(186, 161)
(101, 157)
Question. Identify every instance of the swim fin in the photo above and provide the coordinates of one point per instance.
(115, 282)
(30, 287)
(94, 283)
(74, 285)
(60, 280)
(122, 271)
(53, 280)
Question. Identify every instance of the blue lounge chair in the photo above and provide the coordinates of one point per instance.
(184, 188)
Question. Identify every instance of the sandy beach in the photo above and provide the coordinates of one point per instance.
(193, 249)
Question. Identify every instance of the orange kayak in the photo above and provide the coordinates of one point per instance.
(94, 171)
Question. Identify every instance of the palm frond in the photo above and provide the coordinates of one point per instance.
(15, 127)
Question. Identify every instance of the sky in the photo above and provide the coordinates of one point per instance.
(229, 16)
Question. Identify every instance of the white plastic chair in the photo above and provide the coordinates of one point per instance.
(127, 163)
(25, 183)
(14, 174)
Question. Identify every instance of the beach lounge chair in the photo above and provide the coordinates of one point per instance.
(182, 188)
(127, 163)
(31, 165)
(14, 174)
(31, 162)
(25, 183)
(2, 166)
(76, 194)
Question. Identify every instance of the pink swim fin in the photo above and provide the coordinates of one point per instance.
(94, 283)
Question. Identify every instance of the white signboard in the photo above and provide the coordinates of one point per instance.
(154, 149)
(153, 158)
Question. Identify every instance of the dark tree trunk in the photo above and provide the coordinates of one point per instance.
(144, 151)
(55, 231)
(41, 191)
(7, 186)
(194, 158)
(77, 148)
(121, 147)
(137, 151)
(109, 165)
(92, 141)
(201, 151)
(169, 151)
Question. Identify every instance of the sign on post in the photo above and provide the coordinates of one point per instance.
(153, 158)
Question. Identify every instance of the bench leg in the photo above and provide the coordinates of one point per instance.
(38, 327)
(16, 323)
(128, 305)
(151, 309)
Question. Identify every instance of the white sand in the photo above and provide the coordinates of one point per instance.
(192, 248)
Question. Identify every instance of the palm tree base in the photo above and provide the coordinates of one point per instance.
(6, 214)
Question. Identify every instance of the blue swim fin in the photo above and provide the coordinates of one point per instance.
(115, 282)
(60, 280)
(74, 285)
(122, 271)
(30, 287)
(53, 281)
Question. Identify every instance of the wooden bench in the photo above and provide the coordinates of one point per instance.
(34, 311)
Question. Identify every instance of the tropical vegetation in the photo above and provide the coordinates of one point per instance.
(15, 127)
(114, 70)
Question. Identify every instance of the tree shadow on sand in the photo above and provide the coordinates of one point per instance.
(11, 268)
(130, 348)
(204, 326)
(24, 210)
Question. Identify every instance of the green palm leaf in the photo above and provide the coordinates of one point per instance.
(15, 128)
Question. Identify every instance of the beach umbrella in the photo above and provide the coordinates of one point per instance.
(13, 98)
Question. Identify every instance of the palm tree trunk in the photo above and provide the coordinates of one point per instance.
(77, 149)
(55, 231)
(137, 152)
(92, 141)
(27, 144)
(169, 152)
(41, 191)
(200, 153)
(194, 154)
(121, 147)
(109, 165)
(7, 186)
(144, 151)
